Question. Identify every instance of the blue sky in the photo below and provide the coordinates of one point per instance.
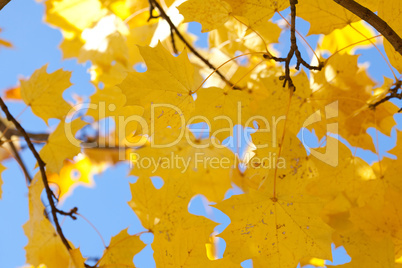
(36, 44)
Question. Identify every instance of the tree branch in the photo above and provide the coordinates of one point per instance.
(294, 50)
(3, 3)
(394, 93)
(154, 3)
(41, 164)
(379, 24)
(14, 132)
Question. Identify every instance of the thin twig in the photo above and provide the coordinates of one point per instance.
(14, 132)
(70, 213)
(173, 41)
(393, 94)
(41, 164)
(153, 4)
(294, 50)
(20, 162)
(379, 24)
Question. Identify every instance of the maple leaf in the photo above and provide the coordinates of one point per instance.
(296, 200)
(352, 90)
(44, 245)
(171, 91)
(257, 11)
(273, 230)
(366, 251)
(211, 13)
(61, 145)
(121, 250)
(13, 93)
(223, 109)
(71, 175)
(324, 15)
(381, 222)
(43, 93)
(352, 177)
(351, 34)
(205, 163)
(111, 102)
(270, 223)
(179, 237)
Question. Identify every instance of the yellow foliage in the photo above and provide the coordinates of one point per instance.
(43, 93)
(288, 201)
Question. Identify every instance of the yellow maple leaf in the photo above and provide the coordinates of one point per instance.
(273, 230)
(44, 245)
(257, 11)
(13, 93)
(105, 42)
(205, 163)
(61, 145)
(352, 176)
(351, 91)
(73, 16)
(110, 102)
(210, 13)
(353, 33)
(72, 175)
(223, 109)
(324, 15)
(43, 93)
(121, 250)
(381, 222)
(179, 237)
(166, 100)
(366, 251)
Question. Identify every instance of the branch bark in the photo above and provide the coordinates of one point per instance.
(3, 3)
(41, 164)
(379, 24)
(154, 3)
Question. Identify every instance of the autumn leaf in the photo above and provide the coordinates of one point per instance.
(72, 175)
(170, 94)
(257, 11)
(121, 250)
(324, 15)
(352, 91)
(152, 79)
(44, 245)
(43, 93)
(269, 229)
(212, 14)
(223, 109)
(13, 93)
(205, 163)
(179, 237)
(61, 145)
(349, 37)
(366, 251)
